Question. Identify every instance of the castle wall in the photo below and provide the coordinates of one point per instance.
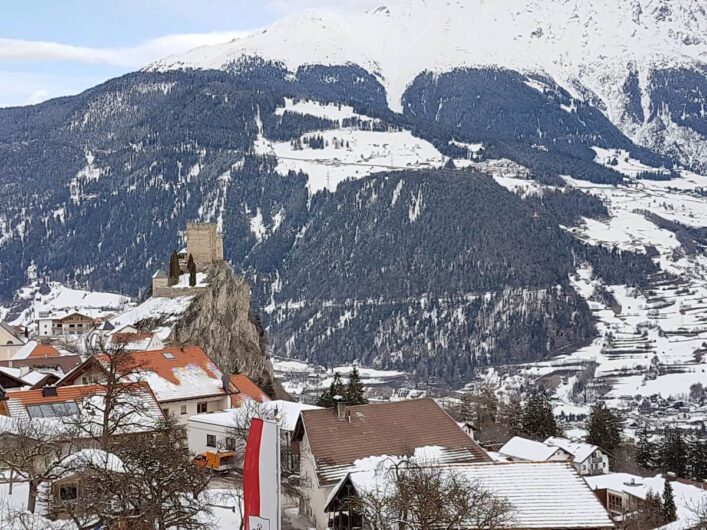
(205, 244)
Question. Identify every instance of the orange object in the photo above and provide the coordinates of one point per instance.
(216, 461)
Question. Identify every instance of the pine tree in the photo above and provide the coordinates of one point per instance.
(466, 412)
(336, 388)
(697, 460)
(669, 510)
(604, 428)
(645, 454)
(512, 415)
(174, 269)
(673, 452)
(538, 419)
(191, 267)
(354, 389)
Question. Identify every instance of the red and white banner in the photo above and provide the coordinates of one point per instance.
(261, 476)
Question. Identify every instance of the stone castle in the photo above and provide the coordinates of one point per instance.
(205, 245)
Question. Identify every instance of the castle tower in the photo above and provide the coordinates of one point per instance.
(205, 244)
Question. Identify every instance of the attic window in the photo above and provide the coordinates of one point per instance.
(169, 355)
(53, 410)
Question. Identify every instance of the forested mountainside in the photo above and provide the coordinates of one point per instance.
(326, 178)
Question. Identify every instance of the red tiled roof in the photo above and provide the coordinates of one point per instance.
(63, 393)
(244, 387)
(43, 350)
(155, 361)
(394, 429)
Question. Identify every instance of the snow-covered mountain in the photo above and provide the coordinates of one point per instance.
(611, 53)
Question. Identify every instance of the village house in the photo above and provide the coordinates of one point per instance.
(185, 380)
(11, 340)
(68, 322)
(42, 356)
(520, 449)
(623, 494)
(546, 495)
(587, 459)
(217, 431)
(136, 341)
(330, 441)
(26, 378)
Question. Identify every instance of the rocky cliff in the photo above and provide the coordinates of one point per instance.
(220, 320)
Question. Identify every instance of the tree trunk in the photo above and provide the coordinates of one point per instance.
(32, 500)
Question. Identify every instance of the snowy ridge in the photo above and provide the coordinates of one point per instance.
(412, 36)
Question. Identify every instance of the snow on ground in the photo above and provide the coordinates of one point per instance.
(300, 377)
(622, 162)
(166, 310)
(329, 111)
(61, 300)
(184, 281)
(352, 154)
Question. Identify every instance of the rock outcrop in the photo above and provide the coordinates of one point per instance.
(220, 320)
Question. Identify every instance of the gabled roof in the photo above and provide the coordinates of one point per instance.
(395, 428)
(580, 451)
(11, 331)
(530, 450)
(146, 410)
(542, 495)
(244, 388)
(174, 374)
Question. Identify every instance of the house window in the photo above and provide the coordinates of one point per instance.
(68, 492)
(230, 444)
(615, 504)
(210, 440)
(183, 410)
(202, 407)
(165, 412)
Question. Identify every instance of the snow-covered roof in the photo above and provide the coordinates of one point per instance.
(96, 459)
(580, 451)
(76, 411)
(545, 495)
(286, 412)
(530, 450)
(687, 497)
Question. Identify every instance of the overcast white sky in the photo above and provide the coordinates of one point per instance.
(55, 48)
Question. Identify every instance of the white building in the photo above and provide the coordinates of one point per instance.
(520, 449)
(208, 432)
(587, 459)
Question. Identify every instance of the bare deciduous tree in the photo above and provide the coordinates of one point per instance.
(416, 497)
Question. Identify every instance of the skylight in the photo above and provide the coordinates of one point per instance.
(168, 355)
(53, 410)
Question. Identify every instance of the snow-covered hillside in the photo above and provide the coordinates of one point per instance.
(605, 51)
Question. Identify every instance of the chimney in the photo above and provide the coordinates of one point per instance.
(339, 408)
(226, 382)
(49, 391)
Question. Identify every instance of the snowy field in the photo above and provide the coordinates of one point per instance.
(648, 344)
(299, 377)
(349, 153)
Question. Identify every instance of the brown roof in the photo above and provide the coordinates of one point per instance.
(394, 429)
(244, 387)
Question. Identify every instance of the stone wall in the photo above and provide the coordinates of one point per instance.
(173, 292)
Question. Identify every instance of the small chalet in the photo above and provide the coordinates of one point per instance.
(185, 380)
(330, 441)
(68, 322)
(542, 495)
(587, 459)
(520, 449)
